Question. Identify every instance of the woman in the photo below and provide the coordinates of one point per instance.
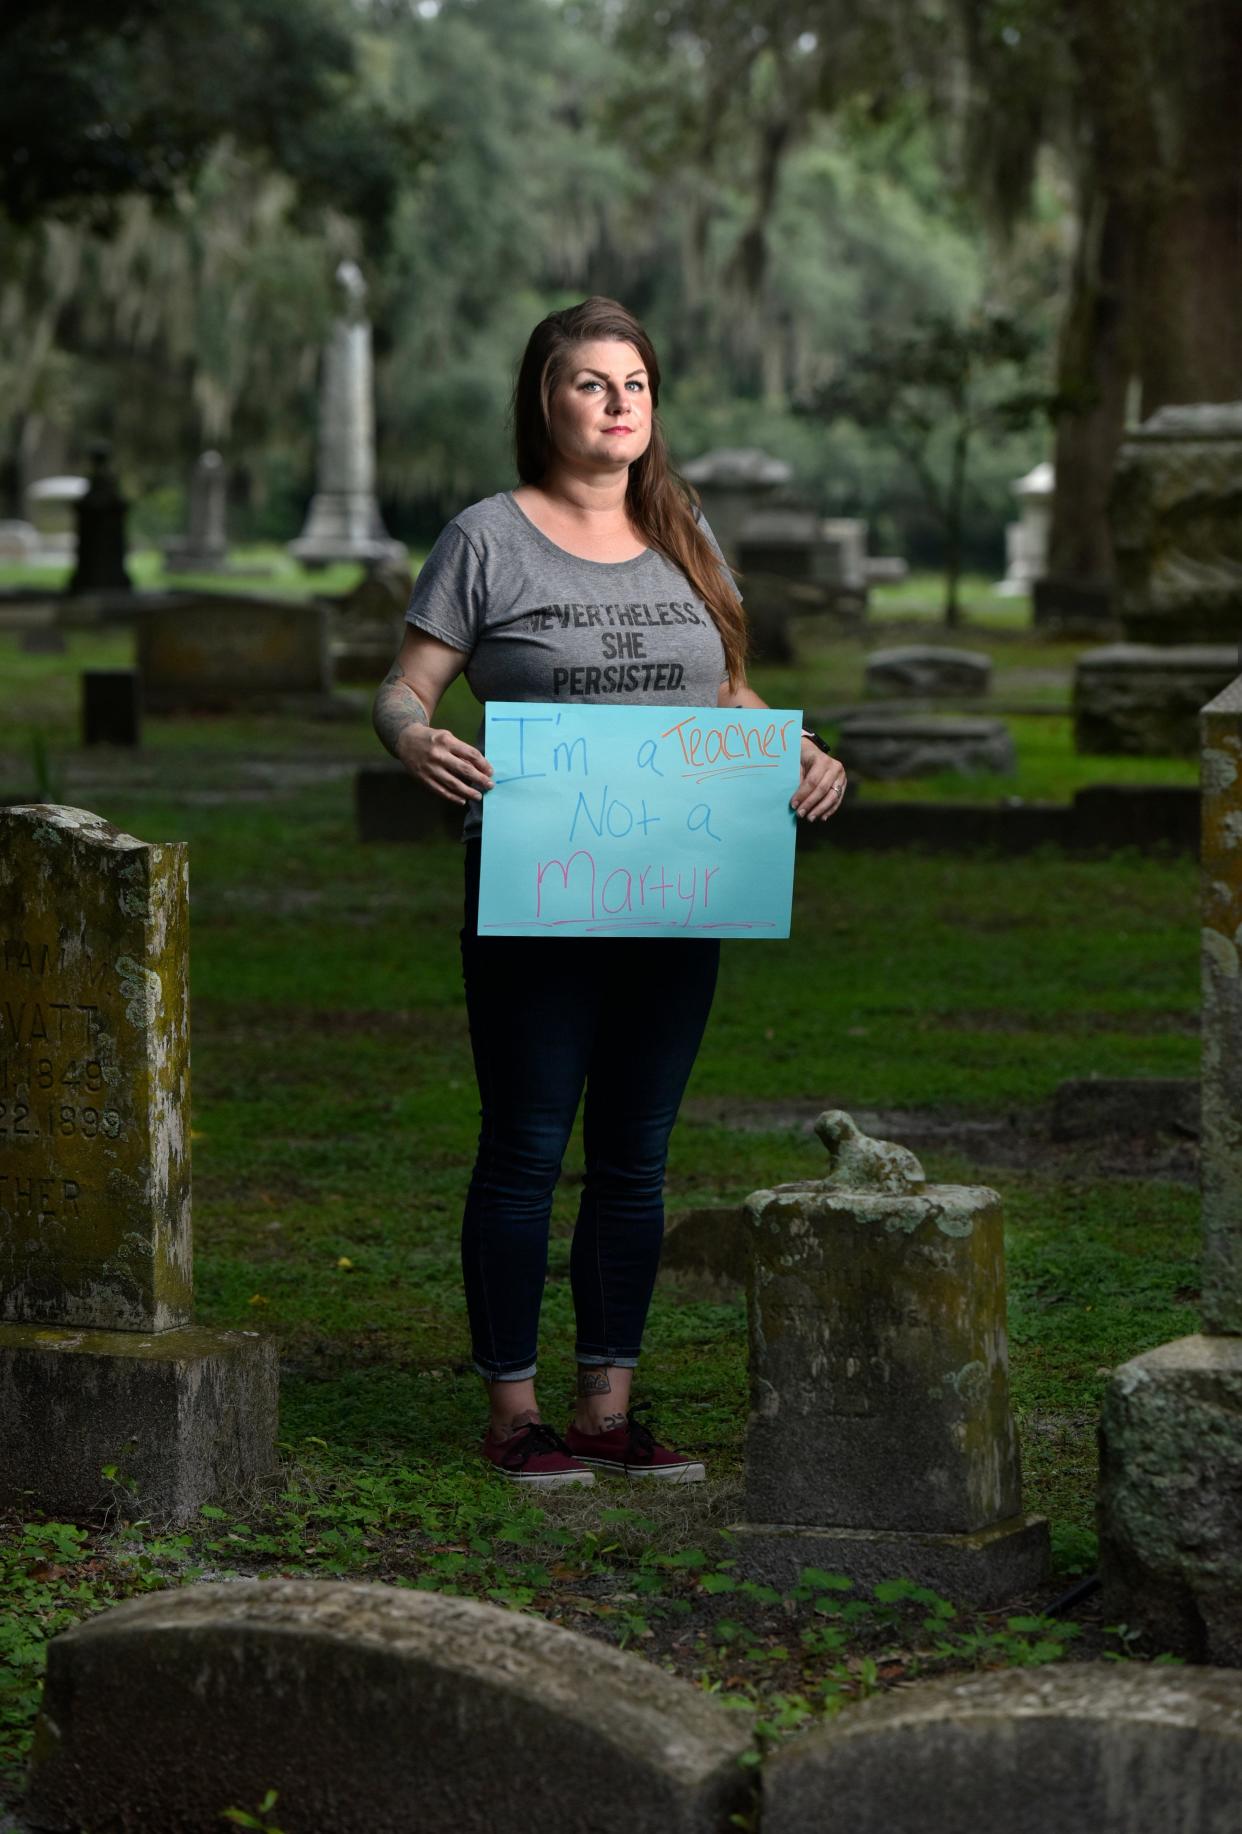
(566, 588)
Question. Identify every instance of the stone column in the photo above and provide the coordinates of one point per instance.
(1171, 1430)
(881, 1442)
(343, 522)
(100, 1363)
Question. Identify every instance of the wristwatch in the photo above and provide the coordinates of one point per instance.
(817, 742)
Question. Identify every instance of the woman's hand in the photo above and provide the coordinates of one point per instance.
(444, 763)
(821, 788)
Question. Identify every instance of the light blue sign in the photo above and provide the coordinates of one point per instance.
(638, 821)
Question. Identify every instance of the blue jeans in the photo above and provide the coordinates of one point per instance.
(622, 1017)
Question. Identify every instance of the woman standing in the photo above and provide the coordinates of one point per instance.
(595, 580)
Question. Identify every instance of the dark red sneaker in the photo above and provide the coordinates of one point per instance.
(632, 1450)
(535, 1455)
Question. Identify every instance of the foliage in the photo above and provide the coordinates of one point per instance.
(932, 392)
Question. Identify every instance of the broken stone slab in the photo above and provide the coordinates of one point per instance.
(94, 1074)
(1143, 699)
(1171, 1497)
(183, 1416)
(1221, 981)
(371, 1709)
(880, 1426)
(1083, 1748)
(927, 671)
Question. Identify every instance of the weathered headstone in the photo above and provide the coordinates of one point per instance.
(1080, 1748)
(733, 482)
(101, 513)
(881, 1442)
(1171, 1430)
(848, 534)
(111, 707)
(369, 623)
(371, 1710)
(222, 652)
(99, 1363)
(204, 548)
(927, 671)
(912, 745)
(1177, 531)
(1144, 699)
(1026, 541)
(344, 522)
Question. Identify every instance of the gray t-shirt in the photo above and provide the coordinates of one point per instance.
(540, 624)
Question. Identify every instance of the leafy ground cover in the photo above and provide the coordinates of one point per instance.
(333, 1129)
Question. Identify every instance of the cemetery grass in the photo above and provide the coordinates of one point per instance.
(333, 1129)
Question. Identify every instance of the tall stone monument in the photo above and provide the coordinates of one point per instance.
(881, 1442)
(1171, 1430)
(1026, 541)
(1176, 519)
(204, 548)
(733, 482)
(343, 522)
(100, 1362)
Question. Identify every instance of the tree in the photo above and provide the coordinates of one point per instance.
(932, 393)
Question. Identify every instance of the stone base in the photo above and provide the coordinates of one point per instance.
(184, 1415)
(985, 1568)
(1171, 1498)
(344, 525)
(911, 745)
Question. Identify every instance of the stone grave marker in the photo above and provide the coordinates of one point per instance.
(204, 548)
(111, 707)
(217, 653)
(369, 624)
(101, 511)
(99, 1361)
(733, 482)
(1144, 699)
(372, 1710)
(927, 671)
(881, 1442)
(1079, 1748)
(885, 744)
(1026, 541)
(1171, 1429)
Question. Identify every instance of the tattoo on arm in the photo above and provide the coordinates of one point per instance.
(396, 708)
(592, 1381)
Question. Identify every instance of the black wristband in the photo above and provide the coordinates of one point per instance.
(817, 742)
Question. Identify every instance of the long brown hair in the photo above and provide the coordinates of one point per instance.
(660, 504)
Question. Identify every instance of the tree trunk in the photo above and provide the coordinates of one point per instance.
(954, 499)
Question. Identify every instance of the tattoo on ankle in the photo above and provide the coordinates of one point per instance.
(592, 1381)
(529, 1418)
(611, 1422)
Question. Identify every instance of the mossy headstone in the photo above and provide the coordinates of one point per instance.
(100, 1363)
(881, 1442)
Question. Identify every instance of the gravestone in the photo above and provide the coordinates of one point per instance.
(1143, 699)
(369, 624)
(881, 1442)
(213, 654)
(1176, 519)
(927, 671)
(1171, 1430)
(99, 1361)
(733, 482)
(1079, 1748)
(111, 707)
(205, 546)
(848, 534)
(910, 745)
(371, 1709)
(343, 521)
(100, 511)
(1026, 541)
(390, 805)
(19, 541)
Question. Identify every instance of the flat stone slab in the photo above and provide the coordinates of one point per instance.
(184, 1415)
(1077, 1748)
(1005, 1561)
(1143, 699)
(371, 1709)
(1171, 1497)
(216, 653)
(908, 745)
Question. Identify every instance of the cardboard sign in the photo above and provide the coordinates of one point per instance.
(638, 821)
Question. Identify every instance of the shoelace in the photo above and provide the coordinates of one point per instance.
(530, 1441)
(642, 1439)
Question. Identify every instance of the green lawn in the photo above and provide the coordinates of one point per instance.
(334, 1115)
